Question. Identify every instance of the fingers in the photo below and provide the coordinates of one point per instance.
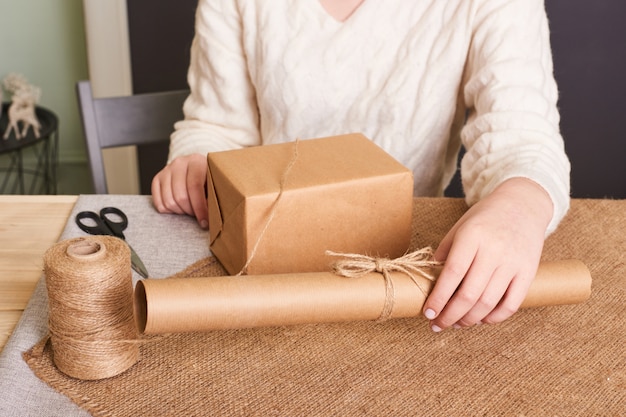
(479, 299)
(441, 254)
(491, 297)
(491, 256)
(179, 188)
(476, 284)
(196, 182)
(161, 194)
(512, 299)
(163, 185)
(460, 285)
(465, 296)
(456, 266)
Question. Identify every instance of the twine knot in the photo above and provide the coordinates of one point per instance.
(380, 265)
(414, 264)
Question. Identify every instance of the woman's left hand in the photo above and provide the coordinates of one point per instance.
(491, 256)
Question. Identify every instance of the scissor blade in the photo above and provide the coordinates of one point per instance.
(137, 264)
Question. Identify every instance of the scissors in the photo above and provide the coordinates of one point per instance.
(111, 221)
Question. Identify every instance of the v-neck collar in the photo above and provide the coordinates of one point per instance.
(328, 17)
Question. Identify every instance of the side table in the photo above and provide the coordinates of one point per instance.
(44, 149)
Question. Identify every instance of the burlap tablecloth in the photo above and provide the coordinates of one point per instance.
(564, 361)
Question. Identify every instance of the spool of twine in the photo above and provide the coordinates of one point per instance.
(92, 330)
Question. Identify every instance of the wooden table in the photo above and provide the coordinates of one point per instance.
(29, 225)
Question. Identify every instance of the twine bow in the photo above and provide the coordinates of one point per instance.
(414, 264)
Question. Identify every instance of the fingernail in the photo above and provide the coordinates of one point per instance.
(457, 326)
(435, 328)
(204, 224)
(430, 314)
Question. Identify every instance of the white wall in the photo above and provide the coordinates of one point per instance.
(44, 40)
(108, 53)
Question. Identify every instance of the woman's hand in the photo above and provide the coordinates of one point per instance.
(180, 188)
(491, 257)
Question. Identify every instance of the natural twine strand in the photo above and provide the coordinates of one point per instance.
(91, 322)
(270, 217)
(414, 264)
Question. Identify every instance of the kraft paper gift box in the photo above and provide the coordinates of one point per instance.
(341, 193)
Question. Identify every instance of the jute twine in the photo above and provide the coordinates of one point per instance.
(415, 264)
(270, 217)
(92, 329)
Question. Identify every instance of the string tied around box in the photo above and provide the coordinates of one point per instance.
(270, 217)
(91, 324)
(414, 264)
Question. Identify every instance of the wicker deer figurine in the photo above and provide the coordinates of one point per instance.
(22, 108)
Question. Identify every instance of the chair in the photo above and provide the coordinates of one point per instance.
(141, 119)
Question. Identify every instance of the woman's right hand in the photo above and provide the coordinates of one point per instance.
(179, 188)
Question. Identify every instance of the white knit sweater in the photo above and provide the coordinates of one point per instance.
(418, 77)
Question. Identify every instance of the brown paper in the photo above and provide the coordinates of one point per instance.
(202, 304)
(340, 193)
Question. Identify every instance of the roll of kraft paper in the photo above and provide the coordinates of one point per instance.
(232, 302)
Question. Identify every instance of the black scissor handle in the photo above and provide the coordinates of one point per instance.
(99, 229)
(115, 219)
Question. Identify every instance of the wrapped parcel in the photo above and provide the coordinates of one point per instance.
(340, 193)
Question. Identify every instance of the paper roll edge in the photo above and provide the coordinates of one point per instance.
(559, 283)
(140, 307)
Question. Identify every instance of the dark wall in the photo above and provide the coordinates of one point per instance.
(160, 35)
(589, 47)
(160, 39)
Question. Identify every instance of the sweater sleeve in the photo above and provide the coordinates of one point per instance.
(220, 112)
(512, 128)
